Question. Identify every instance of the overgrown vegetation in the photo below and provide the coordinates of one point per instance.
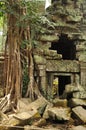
(23, 18)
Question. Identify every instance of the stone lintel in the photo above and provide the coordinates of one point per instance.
(62, 66)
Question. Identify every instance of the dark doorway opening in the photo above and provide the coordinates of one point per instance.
(66, 47)
(63, 80)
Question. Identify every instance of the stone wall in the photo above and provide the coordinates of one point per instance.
(83, 23)
(62, 19)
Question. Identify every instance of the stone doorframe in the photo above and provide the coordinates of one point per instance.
(42, 76)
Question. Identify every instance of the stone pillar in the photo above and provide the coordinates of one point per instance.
(83, 74)
(77, 79)
(42, 75)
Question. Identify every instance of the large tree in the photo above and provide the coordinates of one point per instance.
(13, 43)
(19, 22)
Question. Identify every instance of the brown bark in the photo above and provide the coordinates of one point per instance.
(13, 74)
(14, 37)
(30, 90)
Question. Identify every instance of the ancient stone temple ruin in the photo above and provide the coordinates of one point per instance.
(61, 49)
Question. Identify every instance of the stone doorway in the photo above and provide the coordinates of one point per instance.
(63, 80)
(65, 46)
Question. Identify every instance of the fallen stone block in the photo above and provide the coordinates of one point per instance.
(7, 127)
(70, 88)
(38, 104)
(77, 128)
(41, 122)
(13, 122)
(60, 114)
(60, 102)
(76, 102)
(22, 104)
(3, 127)
(81, 95)
(46, 115)
(33, 114)
(32, 128)
(22, 118)
(38, 128)
(80, 113)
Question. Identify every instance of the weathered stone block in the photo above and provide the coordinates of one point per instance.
(38, 128)
(28, 115)
(50, 52)
(81, 95)
(62, 66)
(57, 57)
(60, 102)
(59, 113)
(49, 38)
(80, 113)
(77, 128)
(82, 57)
(39, 59)
(46, 115)
(77, 102)
(41, 122)
(81, 47)
(42, 66)
(70, 88)
(22, 104)
(36, 105)
(13, 122)
(42, 73)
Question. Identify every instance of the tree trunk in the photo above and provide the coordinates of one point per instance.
(15, 35)
(13, 42)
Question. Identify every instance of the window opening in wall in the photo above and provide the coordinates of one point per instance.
(66, 47)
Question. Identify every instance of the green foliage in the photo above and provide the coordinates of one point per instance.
(2, 12)
(2, 9)
(31, 17)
